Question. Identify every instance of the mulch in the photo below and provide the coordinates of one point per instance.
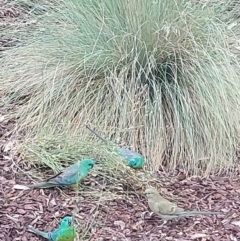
(123, 218)
(9, 15)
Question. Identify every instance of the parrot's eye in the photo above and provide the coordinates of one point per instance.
(91, 165)
(149, 193)
(132, 162)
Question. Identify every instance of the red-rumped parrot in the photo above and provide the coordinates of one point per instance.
(168, 210)
(65, 231)
(133, 159)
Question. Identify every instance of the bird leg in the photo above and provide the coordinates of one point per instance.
(76, 209)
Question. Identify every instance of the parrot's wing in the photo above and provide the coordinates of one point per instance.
(52, 177)
(54, 235)
(179, 210)
(128, 154)
(68, 176)
(165, 207)
(125, 152)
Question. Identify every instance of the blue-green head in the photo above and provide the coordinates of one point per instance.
(66, 230)
(66, 222)
(86, 164)
(134, 159)
(136, 162)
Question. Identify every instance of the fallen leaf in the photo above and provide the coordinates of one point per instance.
(233, 238)
(236, 223)
(28, 207)
(120, 223)
(8, 146)
(2, 117)
(7, 158)
(199, 235)
(21, 211)
(6, 169)
(53, 202)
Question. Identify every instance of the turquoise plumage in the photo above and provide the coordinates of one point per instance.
(65, 231)
(133, 159)
(71, 176)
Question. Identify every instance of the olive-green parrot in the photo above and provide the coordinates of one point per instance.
(168, 210)
(133, 159)
(65, 231)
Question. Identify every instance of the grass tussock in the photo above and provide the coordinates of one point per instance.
(157, 74)
(110, 173)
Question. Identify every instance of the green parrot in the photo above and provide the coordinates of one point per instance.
(70, 176)
(134, 159)
(65, 231)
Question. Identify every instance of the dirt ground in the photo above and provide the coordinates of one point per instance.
(125, 218)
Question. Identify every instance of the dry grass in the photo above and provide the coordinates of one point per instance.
(158, 75)
(110, 172)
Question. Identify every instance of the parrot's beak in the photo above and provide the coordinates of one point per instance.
(70, 221)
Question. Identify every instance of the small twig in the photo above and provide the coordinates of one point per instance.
(204, 197)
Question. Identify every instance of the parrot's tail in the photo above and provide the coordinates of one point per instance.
(38, 232)
(194, 213)
(96, 134)
(43, 185)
